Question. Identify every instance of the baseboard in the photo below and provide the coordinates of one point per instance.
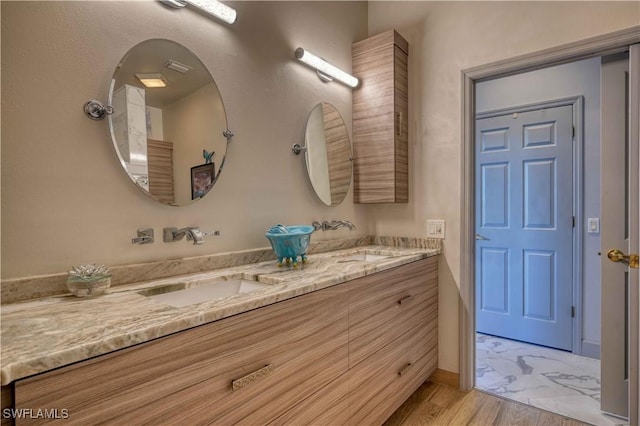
(590, 349)
(445, 377)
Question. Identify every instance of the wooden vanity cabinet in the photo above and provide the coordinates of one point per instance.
(380, 122)
(393, 348)
(274, 358)
(348, 354)
(393, 338)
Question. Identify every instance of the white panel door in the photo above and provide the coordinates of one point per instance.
(524, 225)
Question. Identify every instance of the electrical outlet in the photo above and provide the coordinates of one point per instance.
(435, 228)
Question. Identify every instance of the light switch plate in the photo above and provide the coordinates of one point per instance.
(435, 228)
(593, 225)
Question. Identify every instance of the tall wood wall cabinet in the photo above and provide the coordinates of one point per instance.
(380, 107)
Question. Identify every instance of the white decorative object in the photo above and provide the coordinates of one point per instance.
(89, 280)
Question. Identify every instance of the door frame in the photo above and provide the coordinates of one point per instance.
(594, 46)
(577, 104)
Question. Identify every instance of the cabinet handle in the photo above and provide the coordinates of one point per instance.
(404, 369)
(399, 129)
(404, 299)
(252, 377)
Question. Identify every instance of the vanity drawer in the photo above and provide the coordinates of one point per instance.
(283, 353)
(378, 386)
(328, 406)
(386, 305)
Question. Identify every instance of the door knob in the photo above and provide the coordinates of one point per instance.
(616, 255)
(482, 238)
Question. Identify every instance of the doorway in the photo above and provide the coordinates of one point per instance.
(587, 48)
(532, 199)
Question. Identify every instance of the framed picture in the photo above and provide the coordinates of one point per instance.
(202, 178)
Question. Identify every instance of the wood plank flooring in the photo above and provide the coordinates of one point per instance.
(438, 404)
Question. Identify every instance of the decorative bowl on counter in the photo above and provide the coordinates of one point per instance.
(290, 242)
(88, 280)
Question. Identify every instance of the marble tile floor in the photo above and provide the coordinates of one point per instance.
(550, 379)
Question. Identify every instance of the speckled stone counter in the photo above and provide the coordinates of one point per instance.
(47, 333)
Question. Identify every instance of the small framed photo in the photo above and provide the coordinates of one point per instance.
(202, 178)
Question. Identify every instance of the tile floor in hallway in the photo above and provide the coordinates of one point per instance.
(546, 378)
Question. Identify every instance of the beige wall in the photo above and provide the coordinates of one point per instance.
(445, 38)
(65, 199)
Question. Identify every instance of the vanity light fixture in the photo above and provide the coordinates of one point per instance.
(212, 7)
(152, 80)
(324, 69)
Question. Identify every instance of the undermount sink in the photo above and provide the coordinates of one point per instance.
(364, 257)
(193, 292)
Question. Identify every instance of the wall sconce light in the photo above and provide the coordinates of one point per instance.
(324, 69)
(212, 7)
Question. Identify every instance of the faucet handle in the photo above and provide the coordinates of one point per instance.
(197, 235)
(144, 236)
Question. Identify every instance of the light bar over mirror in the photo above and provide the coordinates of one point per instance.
(212, 7)
(326, 71)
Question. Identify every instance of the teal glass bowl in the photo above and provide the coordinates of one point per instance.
(290, 242)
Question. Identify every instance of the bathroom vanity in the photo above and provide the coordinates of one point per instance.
(347, 347)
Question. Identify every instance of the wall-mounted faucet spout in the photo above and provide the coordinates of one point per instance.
(333, 225)
(193, 234)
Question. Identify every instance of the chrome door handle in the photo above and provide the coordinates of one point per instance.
(616, 255)
(482, 238)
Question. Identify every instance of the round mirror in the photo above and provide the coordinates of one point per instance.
(328, 154)
(168, 122)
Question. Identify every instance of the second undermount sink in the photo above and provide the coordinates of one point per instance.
(364, 256)
(193, 292)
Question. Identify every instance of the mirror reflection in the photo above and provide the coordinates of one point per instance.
(168, 122)
(328, 154)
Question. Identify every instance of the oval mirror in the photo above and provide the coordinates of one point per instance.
(168, 122)
(328, 154)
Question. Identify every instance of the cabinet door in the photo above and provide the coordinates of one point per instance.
(390, 304)
(380, 384)
(393, 338)
(328, 406)
(274, 357)
(380, 125)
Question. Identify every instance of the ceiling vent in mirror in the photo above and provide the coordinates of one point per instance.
(177, 66)
(212, 7)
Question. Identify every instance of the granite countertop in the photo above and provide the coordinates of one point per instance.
(47, 333)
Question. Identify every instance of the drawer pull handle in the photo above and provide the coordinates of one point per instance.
(404, 299)
(404, 369)
(252, 377)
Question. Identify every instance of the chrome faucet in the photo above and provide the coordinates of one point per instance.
(193, 234)
(333, 225)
